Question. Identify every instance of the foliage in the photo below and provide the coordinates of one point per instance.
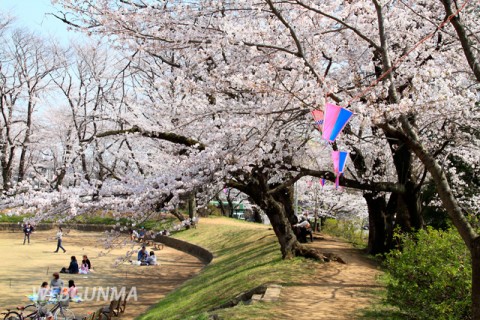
(350, 230)
(246, 256)
(11, 218)
(430, 277)
(150, 224)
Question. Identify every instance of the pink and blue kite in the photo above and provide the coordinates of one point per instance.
(335, 120)
(339, 159)
(318, 117)
(322, 182)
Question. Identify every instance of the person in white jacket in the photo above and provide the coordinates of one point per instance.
(152, 259)
(59, 240)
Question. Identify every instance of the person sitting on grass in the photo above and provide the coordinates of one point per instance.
(152, 259)
(142, 254)
(86, 261)
(42, 298)
(72, 289)
(86, 266)
(304, 225)
(141, 234)
(56, 284)
(72, 268)
(43, 293)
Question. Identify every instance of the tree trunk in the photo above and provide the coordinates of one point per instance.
(191, 205)
(408, 211)
(282, 227)
(220, 205)
(376, 222)
(6, 162)
(26, 140)
(279, 209)
(410, 202)
(390, 218)
(177, 214)
(475, 249)
(256, 214)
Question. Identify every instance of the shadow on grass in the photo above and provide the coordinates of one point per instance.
(380, 310)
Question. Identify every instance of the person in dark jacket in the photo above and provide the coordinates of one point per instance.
(27, 230)
(72, 268)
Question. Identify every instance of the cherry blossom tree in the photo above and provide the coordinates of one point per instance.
(219, 93)
(234, 81)
(26, 64)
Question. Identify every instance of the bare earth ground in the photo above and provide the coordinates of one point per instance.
(24, 267)
(336, 291)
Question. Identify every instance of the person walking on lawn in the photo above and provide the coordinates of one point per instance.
(59, 240)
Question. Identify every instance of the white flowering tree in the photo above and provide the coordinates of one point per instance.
(218, 93)
(236, 79)
(26, 64)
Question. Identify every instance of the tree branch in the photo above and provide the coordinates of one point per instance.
(464, 40)
(343, 23)
(167, 136)
(349, 183)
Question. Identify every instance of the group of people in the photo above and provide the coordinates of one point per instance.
(57, 287)
(73, 267)
(56, 290)
(146, 259)
(28, 229)
(142, 233)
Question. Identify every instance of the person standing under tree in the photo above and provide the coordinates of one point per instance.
(27, 230)
(59, 240)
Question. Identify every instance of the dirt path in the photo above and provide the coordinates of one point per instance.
(336, 291)
(24, 267)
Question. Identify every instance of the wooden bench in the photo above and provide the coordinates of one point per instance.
(109, 311)
(123, 305)
(158, 245)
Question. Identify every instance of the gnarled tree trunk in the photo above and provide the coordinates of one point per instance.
(278, 207)
(376, 223)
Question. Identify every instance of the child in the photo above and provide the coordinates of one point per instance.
(152, 259)
(86, 265)
(43, 292)
(72, 289)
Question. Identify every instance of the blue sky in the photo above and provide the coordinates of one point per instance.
(32, 14)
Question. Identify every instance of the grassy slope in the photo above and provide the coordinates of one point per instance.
(246, 255)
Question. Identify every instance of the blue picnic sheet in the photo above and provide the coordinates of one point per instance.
(52, 298)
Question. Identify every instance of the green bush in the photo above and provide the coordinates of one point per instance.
(349, 230)
(431, 277)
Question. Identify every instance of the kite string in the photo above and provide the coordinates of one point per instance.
(402, 58)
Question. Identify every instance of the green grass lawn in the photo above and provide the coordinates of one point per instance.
(246, 255)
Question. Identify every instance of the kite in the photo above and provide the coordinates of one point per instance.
(322, 182)
(318, 117)
(335, 120)
(339, 158)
